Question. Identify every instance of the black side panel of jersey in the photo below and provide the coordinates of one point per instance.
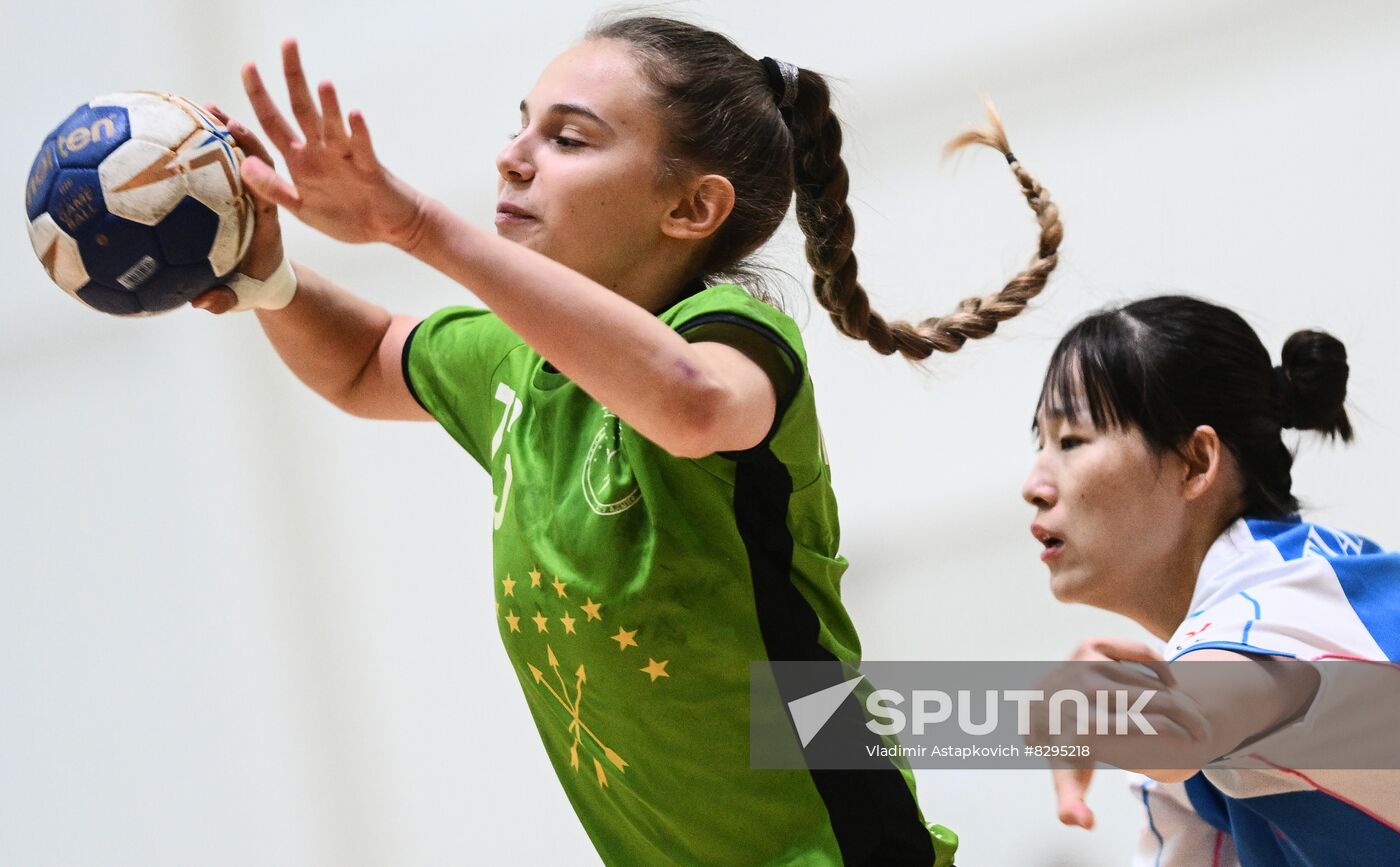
(873, 814)
(403, 364)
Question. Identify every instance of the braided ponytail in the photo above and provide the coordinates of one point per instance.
(825, 218)
(729, 114)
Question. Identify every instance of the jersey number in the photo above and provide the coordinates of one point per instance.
(513, 408)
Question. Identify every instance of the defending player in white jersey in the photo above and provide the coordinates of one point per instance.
(1163, 493)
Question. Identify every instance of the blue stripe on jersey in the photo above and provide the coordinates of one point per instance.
(1244, 638)
(1161, 844)
(1254, 602)
(1322, 832)
(1233, 645)
(1369, 575)
(1372, 585)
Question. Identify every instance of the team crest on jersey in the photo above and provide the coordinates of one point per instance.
(608, 483)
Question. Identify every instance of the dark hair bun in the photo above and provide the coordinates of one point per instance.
(1313, 384)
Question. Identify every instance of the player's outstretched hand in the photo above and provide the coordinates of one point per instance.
(265, 249)
(337, 184)
(1072, 783)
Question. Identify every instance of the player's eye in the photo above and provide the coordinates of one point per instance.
(1067, 443)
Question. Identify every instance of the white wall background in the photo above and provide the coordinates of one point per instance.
(237, 627)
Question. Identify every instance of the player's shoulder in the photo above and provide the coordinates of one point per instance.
(1295, 539)
(1293, 588)
(464, 316)
(461, 331)
(733, 303)
(1257, 553)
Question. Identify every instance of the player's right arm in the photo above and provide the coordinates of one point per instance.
(343, 347)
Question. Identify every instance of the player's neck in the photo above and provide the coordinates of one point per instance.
(657, 281)
(1163, 610)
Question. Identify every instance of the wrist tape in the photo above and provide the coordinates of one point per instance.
(273, 293)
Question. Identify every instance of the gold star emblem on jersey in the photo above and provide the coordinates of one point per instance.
(580, 640)
(625, 639)
(577, 727)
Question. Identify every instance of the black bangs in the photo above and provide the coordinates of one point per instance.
(1098, 370)
(1164, 366)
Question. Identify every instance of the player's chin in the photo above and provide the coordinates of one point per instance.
(517, 229)
(1064, 586)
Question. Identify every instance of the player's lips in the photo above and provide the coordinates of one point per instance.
(1054, 545)
(506, 213)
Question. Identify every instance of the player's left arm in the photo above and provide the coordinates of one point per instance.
(1202, 706)
(1241, 697)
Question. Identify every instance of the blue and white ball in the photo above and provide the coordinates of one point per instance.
(135, 204)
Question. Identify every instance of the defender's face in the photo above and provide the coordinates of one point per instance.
(1106, 516)
(581, 181)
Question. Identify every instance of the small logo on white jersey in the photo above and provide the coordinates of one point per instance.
(1342, 544)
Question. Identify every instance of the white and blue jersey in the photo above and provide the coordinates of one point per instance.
(1298, 590)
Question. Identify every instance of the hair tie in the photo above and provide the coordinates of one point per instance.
(782, 81)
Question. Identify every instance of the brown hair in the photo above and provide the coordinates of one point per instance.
(722, 117)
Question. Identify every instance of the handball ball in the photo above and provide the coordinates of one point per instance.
(135, 204)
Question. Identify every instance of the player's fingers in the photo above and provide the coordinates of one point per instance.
(1071, 784)
(1077, 815)
(332, 123)
(1122, 650)
(248, 141)
(265, 183)
(303, 107)
(220, 299)
(361, 145)
(279, 132)
(1177, 714)
(219, 114)
(1161, 669)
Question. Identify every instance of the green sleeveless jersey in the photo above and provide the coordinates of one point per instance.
(633, 588)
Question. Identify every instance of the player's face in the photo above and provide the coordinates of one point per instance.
(1107, 518)
(581, 181)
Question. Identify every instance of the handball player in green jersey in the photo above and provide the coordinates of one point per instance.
(663, 507)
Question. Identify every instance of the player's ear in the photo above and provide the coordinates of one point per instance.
(701, 208)
(1203, 454)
